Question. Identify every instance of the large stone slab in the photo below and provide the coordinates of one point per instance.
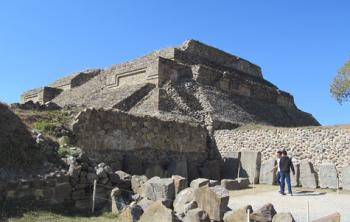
(328, 176)
(250, 165)
(264, 213)
(160, 189)
(231, 164)
(212, 200)
(307, 175)
(137, 183)
(181, 201)
(346, 178)
(230, 184)
(268, 172)
(199, 182)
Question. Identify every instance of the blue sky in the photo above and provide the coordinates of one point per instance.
(299, 44)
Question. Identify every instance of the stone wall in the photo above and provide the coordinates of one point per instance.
(41, 95)
(139, 142)
(314, 144)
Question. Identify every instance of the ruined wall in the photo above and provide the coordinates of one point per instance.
(315, 144)
(138, 141)
(41, 95)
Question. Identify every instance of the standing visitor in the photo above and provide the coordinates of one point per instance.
(285, 166)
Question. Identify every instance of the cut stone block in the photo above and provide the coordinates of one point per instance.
(328, 176)
(268, 172)
(308, 175)
(346, 178)
(212, 200)
(231, 164)
(250, 166)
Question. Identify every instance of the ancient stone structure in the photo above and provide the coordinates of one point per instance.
(314, 144)
(193, 80)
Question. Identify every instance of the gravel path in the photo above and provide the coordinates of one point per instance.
(320, 204)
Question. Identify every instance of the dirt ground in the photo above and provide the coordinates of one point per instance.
(321, 202)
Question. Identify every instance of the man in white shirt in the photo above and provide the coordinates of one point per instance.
(278, 175)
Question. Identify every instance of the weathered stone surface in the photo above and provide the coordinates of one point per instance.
(118, 202)
(307, 175)
(199, 182)
(243, 182)
(158, 212)
(230, 184)
(211, 170)
(346, 178)
(213, 183)
(160, 189)
(265, 213)
(328, 176)
(295, 179)
(212, 200)
(330, 218)
(137, 183)
(180, 183)
(178, 167)
(231, 164)
(196, 215)
(268, 172)
(239, 215)
(283, 217)
(130, 213)
(181, 201)
(62, 192)
(144, 203)
(250, 165)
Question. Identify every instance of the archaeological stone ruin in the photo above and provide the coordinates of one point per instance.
(168, 135)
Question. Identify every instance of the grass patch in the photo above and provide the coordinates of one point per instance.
(44, 216)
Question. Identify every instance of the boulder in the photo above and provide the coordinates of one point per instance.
(239, 215)
(196, 215)
(183, 200)
(307, 175)
(330, 218)
(243, 182)
(231, 164)
(230, 184)
(158, 212)
(250, 164)
(328, 176)
(160, 189)
(346, 178)
(130, 213)
(213, 183)
(199, 182)
(268, 172)
(212, 200)
(178, 167)
(283, 217)
(144, 203)
(118, 202)
(265, 213)
(137, 183)
(180, 183)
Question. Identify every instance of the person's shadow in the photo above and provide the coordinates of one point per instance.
(308, 193)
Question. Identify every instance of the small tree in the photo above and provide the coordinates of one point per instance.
(340, 87)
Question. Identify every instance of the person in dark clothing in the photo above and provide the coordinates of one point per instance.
(285, 166)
